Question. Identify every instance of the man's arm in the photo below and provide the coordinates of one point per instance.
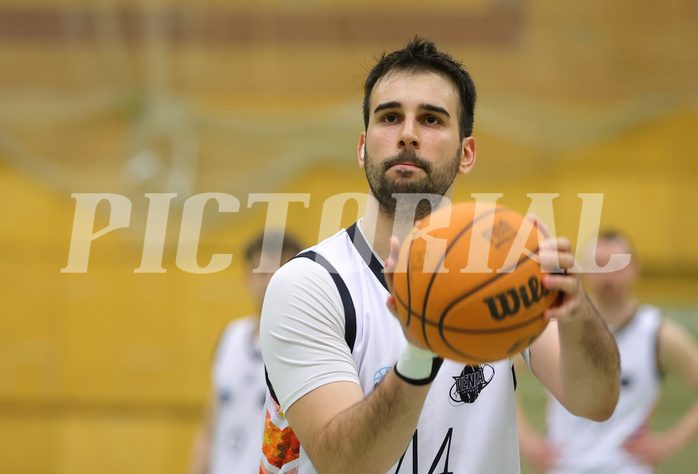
(576, 357)
(344, 432)
(341, 430)
(678, 355)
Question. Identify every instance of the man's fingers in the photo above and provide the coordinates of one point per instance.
(540, 225)
(552, 261)
(555, 255)
(561, 244)
(392, 305)
(565, 283)
(391, 262)
(393, 255)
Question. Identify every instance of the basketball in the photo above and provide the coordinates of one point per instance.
(468, 285)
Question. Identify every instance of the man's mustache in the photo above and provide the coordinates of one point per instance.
(408, 157)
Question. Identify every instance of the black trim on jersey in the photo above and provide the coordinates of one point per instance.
(513, 374)
(364, 249)
(271, 389)
(349, 311)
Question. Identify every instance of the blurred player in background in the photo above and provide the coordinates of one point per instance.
(230, 434)
(650, 346)
(342, 375)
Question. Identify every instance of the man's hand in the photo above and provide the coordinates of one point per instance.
(558, 262)
(540, 454)
(576, 358)
(651, 449)
(390, 265)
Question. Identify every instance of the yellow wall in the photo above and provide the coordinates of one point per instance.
(107, 371)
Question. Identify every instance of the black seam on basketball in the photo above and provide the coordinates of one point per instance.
(465, 355)
(475, 358)
(472, 331)
(497, 330)
(479, 359)
(443, 257)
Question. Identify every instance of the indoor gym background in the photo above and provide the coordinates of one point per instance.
(106, 371)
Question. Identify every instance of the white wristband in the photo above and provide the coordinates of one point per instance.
(417, 366)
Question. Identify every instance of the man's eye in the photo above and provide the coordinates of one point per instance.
(390, 118)
(431, 120)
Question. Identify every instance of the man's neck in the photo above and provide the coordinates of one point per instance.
(378, 227)
(619, 313)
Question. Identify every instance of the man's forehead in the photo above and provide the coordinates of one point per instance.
(439, 86)
(613, 244)
(606, 247)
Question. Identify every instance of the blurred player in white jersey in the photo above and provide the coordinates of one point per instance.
(650, 346)
(229, 438)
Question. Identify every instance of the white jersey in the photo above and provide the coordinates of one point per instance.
(240, 389)
(592, 447)
(325, 320)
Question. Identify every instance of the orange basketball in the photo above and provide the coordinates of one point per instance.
(468, 285)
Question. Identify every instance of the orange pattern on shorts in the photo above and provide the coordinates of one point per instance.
(280, 446)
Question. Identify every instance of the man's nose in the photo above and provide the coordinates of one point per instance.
(408, 136)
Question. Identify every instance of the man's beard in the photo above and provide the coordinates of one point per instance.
(435, 183)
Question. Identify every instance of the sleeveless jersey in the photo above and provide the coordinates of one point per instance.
(591, 447)
(468, 423)
(240, 388)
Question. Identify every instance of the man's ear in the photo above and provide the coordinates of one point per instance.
(467, 159)
(361, 149)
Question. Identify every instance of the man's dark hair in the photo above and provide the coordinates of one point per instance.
(421, 55)
(289, 244)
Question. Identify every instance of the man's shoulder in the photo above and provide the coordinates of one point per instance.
(237, 328)
(334, 248)
(649, 316)
(339, 239)
(301, 275)
(646, 308)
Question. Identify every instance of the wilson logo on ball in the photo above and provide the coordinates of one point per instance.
(508, 303)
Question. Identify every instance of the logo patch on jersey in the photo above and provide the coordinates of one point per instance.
(472, 380)
(380, 375)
